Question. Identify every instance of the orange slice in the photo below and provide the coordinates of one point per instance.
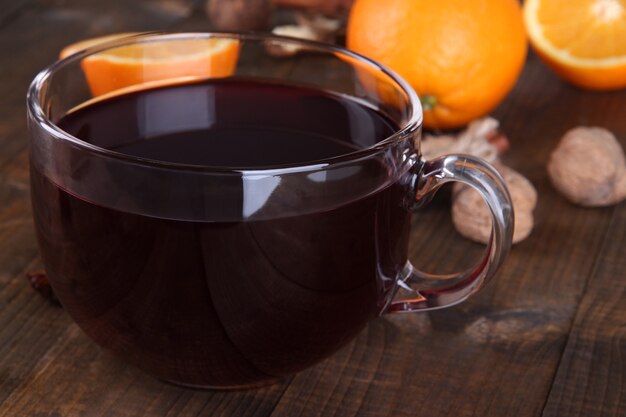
(88, 43)
(155, 61)
(583, 41)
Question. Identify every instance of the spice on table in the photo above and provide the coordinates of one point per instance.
(588, 167)
(470, 215)
(481, 138)
(284, 49)
(313, 27)
(38, 280)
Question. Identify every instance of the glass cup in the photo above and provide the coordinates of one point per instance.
(228, 277)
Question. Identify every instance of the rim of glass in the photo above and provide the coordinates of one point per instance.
(37, 86)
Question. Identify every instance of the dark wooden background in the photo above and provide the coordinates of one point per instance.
(546, 338)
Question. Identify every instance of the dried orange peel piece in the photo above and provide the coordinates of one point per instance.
(583, 41)
(155, 61)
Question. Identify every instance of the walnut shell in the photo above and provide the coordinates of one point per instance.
(472, 218)
(329, 7)
(239, 15)
(588, 167)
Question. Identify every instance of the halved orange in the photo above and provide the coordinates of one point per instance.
(583, 41)
(155, 61)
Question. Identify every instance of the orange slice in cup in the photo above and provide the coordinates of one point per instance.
(155, 61)
(583, 41)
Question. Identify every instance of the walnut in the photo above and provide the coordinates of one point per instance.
(470, 214)
(239, 15)
(588, 167)
(472, 218)
(245, 15)
(328, 7)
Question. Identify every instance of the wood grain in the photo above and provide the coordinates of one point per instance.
(48, 358)
(546, 337)
(497, 353)
(591, 380)
(10, 9)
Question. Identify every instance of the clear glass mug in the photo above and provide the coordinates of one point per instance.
(232, 277)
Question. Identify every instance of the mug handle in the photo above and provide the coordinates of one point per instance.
(430, 291)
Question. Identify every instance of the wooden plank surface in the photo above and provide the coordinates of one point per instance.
(9, 9)
(30, 40)
(591, 380)
(545, 338)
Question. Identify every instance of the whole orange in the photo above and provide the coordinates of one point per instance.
(461, 57)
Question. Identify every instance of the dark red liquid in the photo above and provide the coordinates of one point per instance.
(223, 303)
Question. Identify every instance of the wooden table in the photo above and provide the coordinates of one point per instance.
(546, 338)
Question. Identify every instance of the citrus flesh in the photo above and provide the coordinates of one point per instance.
(585, 42)
(155, 61)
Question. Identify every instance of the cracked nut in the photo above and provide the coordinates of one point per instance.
(310, 27)
(472, 218)
(481, 138)
(588, 167)
(279, 48)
